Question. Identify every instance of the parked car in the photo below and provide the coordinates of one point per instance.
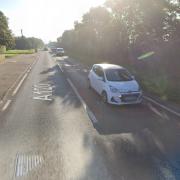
(60, 52)
(115, 84)
(45, 49)
(53, 50)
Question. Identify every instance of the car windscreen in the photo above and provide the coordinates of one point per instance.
(60, 49)
(118, 75)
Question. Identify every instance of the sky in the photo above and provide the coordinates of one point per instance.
(45, 19)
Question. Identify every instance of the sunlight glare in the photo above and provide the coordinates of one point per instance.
(48, 19)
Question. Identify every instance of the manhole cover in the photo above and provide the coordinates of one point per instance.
(26, 162)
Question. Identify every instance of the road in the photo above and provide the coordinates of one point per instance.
(45, 133)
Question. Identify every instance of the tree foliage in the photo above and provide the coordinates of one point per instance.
(6, 37)
(123, 30)
(130, 23)
(28, 43)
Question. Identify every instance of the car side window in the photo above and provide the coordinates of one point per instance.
(94, 69)
(99, 72)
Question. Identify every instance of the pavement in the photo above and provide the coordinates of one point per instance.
(11, 71)
(56, 128)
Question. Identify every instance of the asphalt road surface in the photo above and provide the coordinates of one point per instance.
(45, 133)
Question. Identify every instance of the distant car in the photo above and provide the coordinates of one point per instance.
(60, 52)
(115, 84)
(45, 49)
(53, 50)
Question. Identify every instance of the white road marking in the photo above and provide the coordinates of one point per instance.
(86, 108)
(42, 92)
(60, 68)
(16, 166)
(36, 91)
(43, 98)
(6, 105)
(19, 85)
(26, 163)
(162, 106)
(42, 85)
(92, 116)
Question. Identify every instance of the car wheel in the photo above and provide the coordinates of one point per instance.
(104, 97)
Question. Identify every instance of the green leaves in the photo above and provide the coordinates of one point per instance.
(6, 37)
(28, 43)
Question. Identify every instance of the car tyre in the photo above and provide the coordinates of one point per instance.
(104, 97)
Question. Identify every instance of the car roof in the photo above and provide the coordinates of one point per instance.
(109, 66)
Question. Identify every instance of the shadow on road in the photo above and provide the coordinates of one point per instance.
(61, 88)
(138, 129)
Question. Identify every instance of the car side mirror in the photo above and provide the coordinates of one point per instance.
(133, 77)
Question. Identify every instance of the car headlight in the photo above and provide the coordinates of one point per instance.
(113, 89)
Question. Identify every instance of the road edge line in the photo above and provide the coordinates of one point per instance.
(8, 102)
(60, 68)
(162, 106)
(91, 115)
(20, 84)
(86, 108)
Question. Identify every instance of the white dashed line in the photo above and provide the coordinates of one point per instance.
(19, 85)
(86, 108)
(6, 105)
(162, 106)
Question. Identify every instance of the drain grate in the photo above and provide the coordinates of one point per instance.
(26, 163)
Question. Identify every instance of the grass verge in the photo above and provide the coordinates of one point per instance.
(12, 53)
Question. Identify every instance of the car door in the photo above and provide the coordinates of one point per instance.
(100, 79)
(93, 77)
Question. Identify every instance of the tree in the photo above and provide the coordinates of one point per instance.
(125, 27)
(28, 43)
(6, 37)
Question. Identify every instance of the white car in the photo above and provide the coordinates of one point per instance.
(115, 84)
(60, 52)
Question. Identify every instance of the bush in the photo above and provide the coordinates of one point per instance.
(156, 85)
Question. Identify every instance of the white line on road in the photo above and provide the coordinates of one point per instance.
(88, 111)
(19, 85)
(162, 106)
(6, 105)
(60, 68)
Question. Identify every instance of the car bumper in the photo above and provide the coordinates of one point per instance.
(59, 54)
(125, 98)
